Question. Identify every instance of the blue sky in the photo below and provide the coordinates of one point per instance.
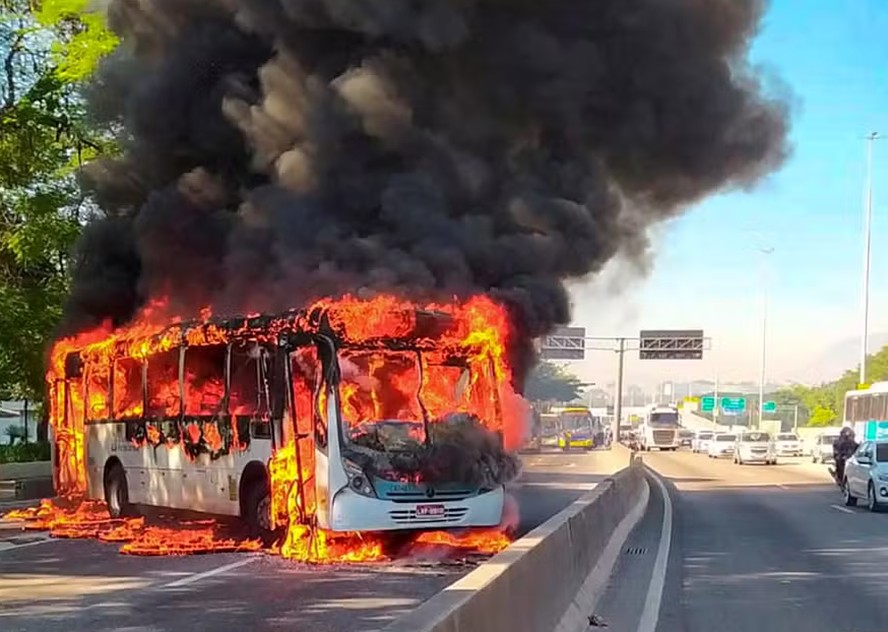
(833, 56)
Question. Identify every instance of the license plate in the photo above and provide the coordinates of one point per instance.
(430, 510)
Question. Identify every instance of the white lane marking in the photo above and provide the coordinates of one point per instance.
(185, 581)
(843, 509)
(11, 546)
(651, 613)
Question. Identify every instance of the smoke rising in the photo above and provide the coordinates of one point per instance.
(280, 150)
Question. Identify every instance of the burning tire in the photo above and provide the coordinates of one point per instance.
(117, 492)
(257, 512)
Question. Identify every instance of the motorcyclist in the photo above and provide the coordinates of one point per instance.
(843, 447)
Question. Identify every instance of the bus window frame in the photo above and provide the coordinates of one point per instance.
(330, 378)
(87, 379)
(879, 407)
(179, 351)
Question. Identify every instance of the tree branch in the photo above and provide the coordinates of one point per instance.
(9, 68)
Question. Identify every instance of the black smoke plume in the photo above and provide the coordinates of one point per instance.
(280, 150)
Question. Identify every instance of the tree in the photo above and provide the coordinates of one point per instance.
(824, 404)
(550, 382)
(45, 51)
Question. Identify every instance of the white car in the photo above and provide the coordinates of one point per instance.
(701, 441)
(754, 447)
(822, 448)
(722, 445)
(787, 444)
(866, 475)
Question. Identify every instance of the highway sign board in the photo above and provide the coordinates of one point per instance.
(707, 404)
(565, 343)
(671, 344)
(769, 407)
(733, 405)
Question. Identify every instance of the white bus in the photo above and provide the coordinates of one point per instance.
(866, 411)
(660, 429)
(307, 416)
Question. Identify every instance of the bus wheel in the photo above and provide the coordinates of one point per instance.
(257, 512)
(117, 492)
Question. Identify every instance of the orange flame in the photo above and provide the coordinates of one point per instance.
(113, 361)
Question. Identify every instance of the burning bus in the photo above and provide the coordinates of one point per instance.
(349, 415)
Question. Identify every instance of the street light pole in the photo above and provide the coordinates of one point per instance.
(761, 402)
(867, 242)
(618, 401)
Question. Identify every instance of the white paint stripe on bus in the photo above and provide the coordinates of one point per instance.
(196, 577)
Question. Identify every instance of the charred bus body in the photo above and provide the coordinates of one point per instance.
(319, 416)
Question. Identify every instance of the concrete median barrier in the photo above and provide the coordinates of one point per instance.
(551, 578)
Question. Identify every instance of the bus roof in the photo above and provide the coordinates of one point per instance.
(875, 387)
(407, 326)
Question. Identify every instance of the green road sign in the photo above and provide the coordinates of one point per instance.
(707, 404)
(733, 405)
(769, 407)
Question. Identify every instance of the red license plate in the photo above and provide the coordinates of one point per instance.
(430, 510)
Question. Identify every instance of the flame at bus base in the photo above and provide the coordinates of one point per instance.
(475, 326)
(89, 520)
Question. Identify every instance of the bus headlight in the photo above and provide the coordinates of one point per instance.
(357, 480)
(883, 477)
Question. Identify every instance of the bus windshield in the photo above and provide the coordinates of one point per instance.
(573, 421)
(390, 399)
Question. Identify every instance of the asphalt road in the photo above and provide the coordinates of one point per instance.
(49, 585)
(752, 548)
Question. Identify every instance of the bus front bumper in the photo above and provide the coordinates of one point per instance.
(577, 443)
(353, 512)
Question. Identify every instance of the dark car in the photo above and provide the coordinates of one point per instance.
(685, 438)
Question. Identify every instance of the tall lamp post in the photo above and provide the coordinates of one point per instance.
(867, 241)
(761, 402)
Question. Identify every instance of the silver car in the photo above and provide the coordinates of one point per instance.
(822, 449)
(754, 447)
(701, 441)
(788, 444)
(722, 445)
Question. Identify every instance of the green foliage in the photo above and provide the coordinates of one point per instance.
(550, 382)
(83, 37)
(24, 452)
(44, 140)
(822, 416)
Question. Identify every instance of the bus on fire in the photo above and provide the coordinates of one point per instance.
(348, 416)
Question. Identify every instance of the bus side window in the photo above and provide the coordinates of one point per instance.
(128, 397)
(163, 386)
(98, 391)
(245, 395)
(204, 378)
(878, 411)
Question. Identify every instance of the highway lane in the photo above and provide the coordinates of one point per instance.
(71, 585)
(752, 548)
